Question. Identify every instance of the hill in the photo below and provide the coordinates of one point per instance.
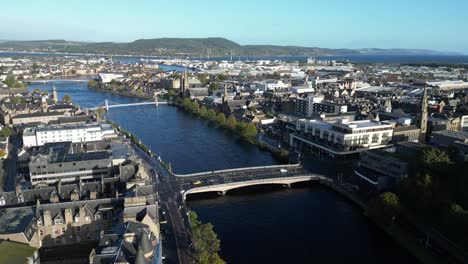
(193, 47)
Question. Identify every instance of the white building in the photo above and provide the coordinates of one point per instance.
(107, 77)
(342, 137)
(75, 133)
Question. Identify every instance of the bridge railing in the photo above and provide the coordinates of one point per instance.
(238, 169)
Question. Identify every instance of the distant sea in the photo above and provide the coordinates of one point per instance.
(356, 58)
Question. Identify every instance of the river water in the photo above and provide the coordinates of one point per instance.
(305, 224)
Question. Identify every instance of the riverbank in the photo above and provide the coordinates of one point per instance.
(121, 93)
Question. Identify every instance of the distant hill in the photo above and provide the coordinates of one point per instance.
(193, 47)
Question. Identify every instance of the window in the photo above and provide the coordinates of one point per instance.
(56, 232)
(77, 219)
(39, 222)
(78, 229)
(2, 200)
(58, 221)
(41, 233)
(63, 230)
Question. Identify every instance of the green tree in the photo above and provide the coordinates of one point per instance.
(67, 98)
(93, 83)
(203, 112)
(220, 118)
(249, 131)
(384, 208)
(6, 132)
(213, 86)
(100, 112)
(231, 122)
(10, 81)
(16, 100)
(211, 114)
(195, 107)
(18, 85)
(187, 104)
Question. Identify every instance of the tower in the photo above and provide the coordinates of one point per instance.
(225, 96)
(54, 93)
(423, 124)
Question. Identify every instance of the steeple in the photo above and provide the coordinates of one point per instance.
(54, 93)
(423, 124)
(225, 96)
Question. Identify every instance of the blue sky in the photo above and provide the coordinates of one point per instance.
(429, 24)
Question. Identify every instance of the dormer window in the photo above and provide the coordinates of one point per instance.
(58, 221)
(39, 222)
(77, 219)
(21, 198)
(97, 217)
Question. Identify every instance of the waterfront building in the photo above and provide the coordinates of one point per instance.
(381, 168)
(341, 137)
(108, 77)
(59, 161)
(78, 133)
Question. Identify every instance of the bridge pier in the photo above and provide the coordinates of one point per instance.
(222, 193)
(288, 185)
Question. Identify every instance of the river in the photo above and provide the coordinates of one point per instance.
(306, 224)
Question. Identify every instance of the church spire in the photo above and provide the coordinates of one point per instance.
(423, 124)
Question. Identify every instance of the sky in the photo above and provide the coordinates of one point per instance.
(430, 24)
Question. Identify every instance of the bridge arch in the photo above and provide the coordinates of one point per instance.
(225, 187)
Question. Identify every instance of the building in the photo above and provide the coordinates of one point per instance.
(12, 252)
(330, 107)
(381, 168)
(55, 162)
(74, 133)
(40, 117)
(405, 133)
(108, 77)
(341, 137)
(305, 106)
(447, 138)
(464, 123)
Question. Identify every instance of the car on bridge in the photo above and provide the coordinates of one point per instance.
(197, 182)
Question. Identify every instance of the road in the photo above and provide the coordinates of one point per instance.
(170, 198)
(11, 174)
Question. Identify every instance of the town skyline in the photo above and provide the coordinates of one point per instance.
(319, 24)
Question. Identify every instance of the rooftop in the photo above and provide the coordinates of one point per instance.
(15, 220)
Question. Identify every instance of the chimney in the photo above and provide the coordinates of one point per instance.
(68, 216)
(47, 218)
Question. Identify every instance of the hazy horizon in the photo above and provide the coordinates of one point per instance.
(332, 24)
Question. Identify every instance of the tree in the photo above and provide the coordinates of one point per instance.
(100, 112)
(211, 114)
(220, 118)
(2, 153)
(187, 104)
(195, 107)
(231, 122)
(67, 98)
(213, 86)
(10, 81)
(6, 132)
(203, 112)
(384, 208)
(93, 83)
(249, 131)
